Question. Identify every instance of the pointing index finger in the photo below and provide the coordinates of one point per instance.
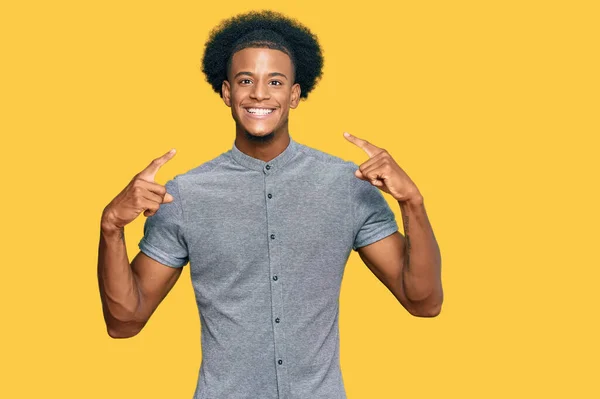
(369, 148)
(150, 171)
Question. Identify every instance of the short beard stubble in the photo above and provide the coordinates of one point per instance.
(259, 139)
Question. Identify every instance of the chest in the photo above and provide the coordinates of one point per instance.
(241, 228)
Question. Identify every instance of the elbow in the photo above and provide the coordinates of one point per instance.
(426, 311)
(424, 300)
(120, 333)
(431, 307)
(120, 322)
(124, 329)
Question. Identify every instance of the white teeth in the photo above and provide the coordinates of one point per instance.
(259, 111)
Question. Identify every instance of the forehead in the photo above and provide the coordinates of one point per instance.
(261, 60)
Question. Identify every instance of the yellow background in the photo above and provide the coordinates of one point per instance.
(492, 108)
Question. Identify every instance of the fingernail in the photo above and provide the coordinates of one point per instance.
(346, 134)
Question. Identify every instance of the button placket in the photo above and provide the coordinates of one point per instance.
(276, 285)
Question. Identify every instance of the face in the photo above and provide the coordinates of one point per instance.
(260, 91)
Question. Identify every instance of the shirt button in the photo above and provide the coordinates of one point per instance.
(280, 361)
(277, 320)
(272, 236)
(269, 195)
(275, 278)
(268, 167)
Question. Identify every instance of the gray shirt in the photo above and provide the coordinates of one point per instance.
(267, 244)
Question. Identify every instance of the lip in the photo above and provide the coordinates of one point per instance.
(255, 116)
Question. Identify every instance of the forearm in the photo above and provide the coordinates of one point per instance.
(118, 287)
(421, 272)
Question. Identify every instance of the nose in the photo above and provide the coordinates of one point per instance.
(260, 91)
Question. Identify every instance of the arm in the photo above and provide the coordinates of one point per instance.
(409, 266)
(129, 293)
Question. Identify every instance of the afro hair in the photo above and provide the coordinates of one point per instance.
(266, 29)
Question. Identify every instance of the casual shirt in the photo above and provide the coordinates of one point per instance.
(267, 244)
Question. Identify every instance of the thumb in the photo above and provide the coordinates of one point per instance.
(359, 174)
(168, 198)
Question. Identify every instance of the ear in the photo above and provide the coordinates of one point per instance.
(296, 90)
(226, 93)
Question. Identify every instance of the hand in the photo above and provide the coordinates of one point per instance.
(384, 173)
(141, 194)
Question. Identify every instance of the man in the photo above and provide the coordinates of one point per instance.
(267, 228)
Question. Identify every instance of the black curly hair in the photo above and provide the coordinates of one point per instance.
(266, 29)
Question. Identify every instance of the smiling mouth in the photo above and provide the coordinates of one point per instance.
(259, 111)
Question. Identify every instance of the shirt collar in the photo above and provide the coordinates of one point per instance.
(260, 165)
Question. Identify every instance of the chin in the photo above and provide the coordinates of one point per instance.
(259, 133)
(259, 136)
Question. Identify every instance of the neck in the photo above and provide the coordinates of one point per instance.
(265, 147)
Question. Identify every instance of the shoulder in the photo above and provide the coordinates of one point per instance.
(322, 158)
(341, 169)
(338, 169)
(204, 168)
(333, 169)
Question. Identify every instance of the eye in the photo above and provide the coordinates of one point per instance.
(279, 83)
(244, 80)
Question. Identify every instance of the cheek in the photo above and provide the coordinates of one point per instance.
(237, 93)
(284, 100)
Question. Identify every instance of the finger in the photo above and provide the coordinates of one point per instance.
(375, 182)
(359, 174)
(149, 195)
(149, 207)
(154, 188)
(168, 198)
(372, 161)
(372, 177)
(150, 171)
(373, 171)
(150, 212)
(155, 206)
(369, 148)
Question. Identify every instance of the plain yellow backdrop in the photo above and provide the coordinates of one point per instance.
(492, 108)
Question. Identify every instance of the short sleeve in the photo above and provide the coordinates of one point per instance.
(373, 218)
(163, 238)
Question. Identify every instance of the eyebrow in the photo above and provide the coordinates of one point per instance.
(250, 74)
